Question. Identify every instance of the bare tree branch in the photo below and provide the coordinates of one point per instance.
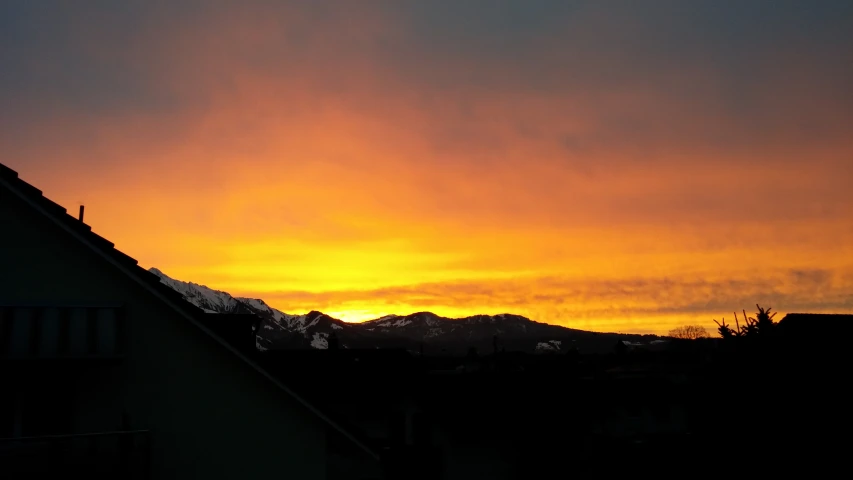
(689, 332)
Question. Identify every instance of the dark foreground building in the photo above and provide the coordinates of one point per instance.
(106, 372)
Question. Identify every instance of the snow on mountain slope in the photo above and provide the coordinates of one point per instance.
(279, 330)
(427, 325)
(207, 299)
(549, 346)
(259, 307)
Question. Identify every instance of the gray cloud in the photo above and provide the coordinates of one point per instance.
(701, 113)
(707, 75)
(565, 301)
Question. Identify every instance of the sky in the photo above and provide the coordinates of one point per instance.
(611, 166)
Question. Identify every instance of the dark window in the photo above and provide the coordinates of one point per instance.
(78, 332)
(48, 344)
(107, 331)
(57, 331)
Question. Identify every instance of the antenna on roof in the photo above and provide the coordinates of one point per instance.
(81, 213)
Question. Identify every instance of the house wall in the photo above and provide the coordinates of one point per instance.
(209, 413)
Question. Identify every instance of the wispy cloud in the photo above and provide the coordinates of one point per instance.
(593, 303)
(557, 158)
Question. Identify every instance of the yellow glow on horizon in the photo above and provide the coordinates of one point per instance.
(356, 316)
(327, 176)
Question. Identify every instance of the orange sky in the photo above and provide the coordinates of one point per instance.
(592, 167)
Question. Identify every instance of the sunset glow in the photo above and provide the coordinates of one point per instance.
(618, 172)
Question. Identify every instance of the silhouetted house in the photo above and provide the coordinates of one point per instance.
(642, 401)
(817, 326)
(108, 372)
(814, 340)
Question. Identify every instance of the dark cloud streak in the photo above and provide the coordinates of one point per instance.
(565, 300)
(728, 123)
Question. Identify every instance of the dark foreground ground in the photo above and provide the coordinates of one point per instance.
(741, 407)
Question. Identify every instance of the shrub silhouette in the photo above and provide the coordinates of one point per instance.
(762, 324)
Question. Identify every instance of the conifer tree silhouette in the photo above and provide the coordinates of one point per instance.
(762, 324)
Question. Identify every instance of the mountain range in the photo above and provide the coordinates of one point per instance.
(418, 332)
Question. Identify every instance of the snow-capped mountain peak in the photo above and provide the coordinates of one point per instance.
(279, 330)
(276, 326)
(205, 298)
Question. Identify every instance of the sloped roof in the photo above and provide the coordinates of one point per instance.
(830, 327)
(130, 266)
(798, 317)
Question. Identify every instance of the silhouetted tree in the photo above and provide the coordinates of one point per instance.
(688, 332)
(764, 321)
(724, 330)
(749, 328)
(761, 324)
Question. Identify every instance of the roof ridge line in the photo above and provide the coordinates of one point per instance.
(8, 179)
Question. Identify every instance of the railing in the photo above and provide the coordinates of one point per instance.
(113, 455)
(51, 332)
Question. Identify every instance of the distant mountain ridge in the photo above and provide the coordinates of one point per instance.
(422, 331)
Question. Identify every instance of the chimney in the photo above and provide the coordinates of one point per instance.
(81, 213)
